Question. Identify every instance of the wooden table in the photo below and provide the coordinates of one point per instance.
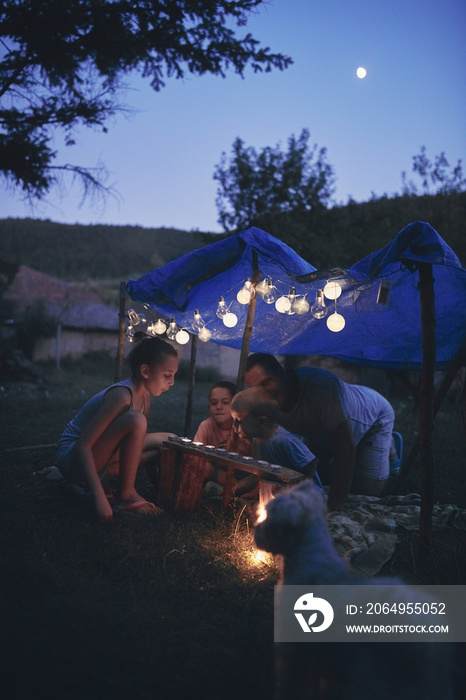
(181, 488)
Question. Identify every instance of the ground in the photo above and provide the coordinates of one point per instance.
(166, 607)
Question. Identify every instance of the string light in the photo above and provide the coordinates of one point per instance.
(262, 286)
(182, 337)
(335, 322)
(230, 320)
(130, 333)
(266, 289)
(247, 292)
(204, 335)
(332, 290)
(283, 304)
(301, 305)
(270, 296)
(288, 304)
(198, 323)
(291, 297)
(172, 329)
(159, 327)
(221, 308)
(133, 317)
(318, 309)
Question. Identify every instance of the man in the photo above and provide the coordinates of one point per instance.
(346, 425)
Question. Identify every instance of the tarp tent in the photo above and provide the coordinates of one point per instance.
(421, 323)
(386, 335)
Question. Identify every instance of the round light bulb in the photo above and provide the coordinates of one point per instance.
(335, 322)
(332, 290)
(182, 337)
(159, 327)
(263, 286)
(150, 329)
(244, 296)
(283, 304)
(230, 320)
(301, 306)
(204, 335)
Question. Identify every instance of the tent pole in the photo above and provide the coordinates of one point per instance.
(426, 413)
(247, 333)
(248, 328)
(121, 332)
(191, 381)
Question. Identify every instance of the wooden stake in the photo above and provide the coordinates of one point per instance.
(426, 412)
(249, 325)
(191, 382)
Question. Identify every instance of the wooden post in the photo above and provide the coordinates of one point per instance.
(426, 413)
(248, 328)
(191, 382)
(121, 332)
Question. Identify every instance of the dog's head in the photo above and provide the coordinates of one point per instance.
(287, 515)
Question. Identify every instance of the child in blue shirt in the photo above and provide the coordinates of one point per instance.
(254, 413)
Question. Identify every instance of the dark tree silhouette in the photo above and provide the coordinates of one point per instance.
(435, 177)
(63, 62)
(256, 186)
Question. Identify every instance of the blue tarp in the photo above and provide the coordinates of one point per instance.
(380, 335)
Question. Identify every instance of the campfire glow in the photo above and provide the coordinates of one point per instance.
(265, 495)
(258, 557)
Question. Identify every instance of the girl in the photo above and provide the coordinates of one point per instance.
(109, 433)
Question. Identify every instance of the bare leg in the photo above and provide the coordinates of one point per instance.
(124, 436)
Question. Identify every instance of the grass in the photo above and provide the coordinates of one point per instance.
(141, 607)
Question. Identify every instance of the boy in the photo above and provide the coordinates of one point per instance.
(254, 413)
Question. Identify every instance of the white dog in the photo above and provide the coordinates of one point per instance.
(295, 527)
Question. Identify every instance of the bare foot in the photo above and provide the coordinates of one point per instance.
(140, 507)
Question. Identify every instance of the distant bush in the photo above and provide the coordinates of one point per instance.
(76, 252)
(325, 237)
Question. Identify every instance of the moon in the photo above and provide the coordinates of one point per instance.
(361, 72)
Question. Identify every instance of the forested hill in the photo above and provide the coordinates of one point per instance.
(338, 236)
(77, 252)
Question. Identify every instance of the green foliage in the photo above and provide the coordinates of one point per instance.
(76, 252)
(343, 235)
(254, 187)
(435, 177)
(62, 65)
(103, 256)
